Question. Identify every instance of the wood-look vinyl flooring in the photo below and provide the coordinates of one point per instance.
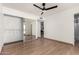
(40, 47)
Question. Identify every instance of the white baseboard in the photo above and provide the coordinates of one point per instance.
(1, 48)
(61, 41)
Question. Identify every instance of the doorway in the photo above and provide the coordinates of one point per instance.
(27, 30)
(42, 29)
(76, 29)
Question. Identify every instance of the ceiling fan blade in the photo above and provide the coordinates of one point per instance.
(51, 7)
(37, 6)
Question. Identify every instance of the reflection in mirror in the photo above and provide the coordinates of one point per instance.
(28, 29)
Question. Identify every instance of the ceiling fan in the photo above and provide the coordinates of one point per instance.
(44, 8)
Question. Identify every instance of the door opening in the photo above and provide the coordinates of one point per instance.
(27, 29)
(76, 29)
(42, 29)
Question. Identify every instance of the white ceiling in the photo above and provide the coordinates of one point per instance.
(28, 7)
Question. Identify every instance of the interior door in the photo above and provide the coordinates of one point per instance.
(13, 29)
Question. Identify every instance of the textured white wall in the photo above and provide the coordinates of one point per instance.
(1, 28)
(60, 26)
